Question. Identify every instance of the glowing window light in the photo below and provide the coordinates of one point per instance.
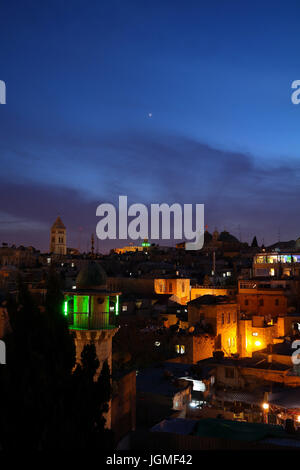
(254, 333)
(298, 418)
(193, 404)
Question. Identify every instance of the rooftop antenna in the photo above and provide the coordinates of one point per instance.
(92, 245)
(79, 238)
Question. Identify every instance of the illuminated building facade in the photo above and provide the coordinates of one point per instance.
(254, 334)
(133, 248)
(198, 291)
(178, 288)
(222, 315)
(269, 299)
(276, 264)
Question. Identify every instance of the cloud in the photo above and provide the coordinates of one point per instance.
(82, 171)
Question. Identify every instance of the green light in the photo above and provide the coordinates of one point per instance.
(65, 308)
(145, 244)
(117, 305)
(81, 304)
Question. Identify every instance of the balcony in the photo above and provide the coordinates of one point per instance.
(94, 321)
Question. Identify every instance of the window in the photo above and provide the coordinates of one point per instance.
(261, 302)
(222, 318)
(276, 301)
(170, 287)
(229, 373)
(228, 318)
(229, 342)
(180, 348)
(246, 302)
(182, 287)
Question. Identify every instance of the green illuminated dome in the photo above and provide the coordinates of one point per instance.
(91, 275)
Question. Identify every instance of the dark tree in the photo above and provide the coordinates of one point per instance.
(254, 243)
(43, 403)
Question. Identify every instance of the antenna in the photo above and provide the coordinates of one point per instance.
(92, 245)
(79, 238)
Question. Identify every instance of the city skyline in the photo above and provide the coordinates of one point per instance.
(164, 103)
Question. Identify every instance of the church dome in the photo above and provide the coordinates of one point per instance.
(91, 275)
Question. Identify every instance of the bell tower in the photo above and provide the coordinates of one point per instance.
(58, 238)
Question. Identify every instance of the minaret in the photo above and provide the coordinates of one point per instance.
(92, 311)
(58, 238)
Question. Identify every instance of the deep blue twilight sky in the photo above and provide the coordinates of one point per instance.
(82, 78)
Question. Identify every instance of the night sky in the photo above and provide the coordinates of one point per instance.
(84, 77)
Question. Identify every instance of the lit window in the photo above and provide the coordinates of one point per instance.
(229, 342)
(272, 272)
(180, 348)
(124, 308)
(254, 333)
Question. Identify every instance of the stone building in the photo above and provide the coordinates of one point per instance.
(58, 238)
(222, 315)
(92, 313)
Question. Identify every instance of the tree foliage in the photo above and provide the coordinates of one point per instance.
(44, 402)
